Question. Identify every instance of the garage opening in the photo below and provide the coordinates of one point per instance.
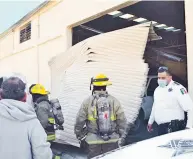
(170, 25)
(168, 19)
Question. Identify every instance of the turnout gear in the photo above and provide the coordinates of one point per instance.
(104, 119)
(49, 114)
(54, 115)
(104, 115)
(56, 153)
(98, 149)
(131, 129)
(39, 92)
(87, 115)
(105, 122)
(46, 117)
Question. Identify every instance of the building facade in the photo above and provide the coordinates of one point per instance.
(42, 34)
(28, 45)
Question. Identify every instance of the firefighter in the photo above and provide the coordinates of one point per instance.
(171, 100)
(104, 118)
(44, 113)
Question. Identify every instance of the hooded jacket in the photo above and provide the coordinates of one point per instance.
(21, 134)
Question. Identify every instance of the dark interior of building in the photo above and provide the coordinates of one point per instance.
(170, 51)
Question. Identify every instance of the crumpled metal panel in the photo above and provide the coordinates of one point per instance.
(119, 55)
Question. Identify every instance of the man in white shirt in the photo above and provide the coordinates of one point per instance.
(171, 100)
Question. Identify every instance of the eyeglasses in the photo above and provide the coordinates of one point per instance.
(163, 69)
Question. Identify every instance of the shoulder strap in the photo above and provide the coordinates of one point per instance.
(44, 100)
(37, 103)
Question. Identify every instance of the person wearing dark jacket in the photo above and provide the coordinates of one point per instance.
(104, 119)
(21, 135)
(44, 113)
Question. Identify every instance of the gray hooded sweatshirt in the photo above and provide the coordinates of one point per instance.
(21, 134)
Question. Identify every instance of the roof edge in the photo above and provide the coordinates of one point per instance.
(24, 18)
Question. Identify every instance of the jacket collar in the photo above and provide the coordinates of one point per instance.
(170, 84)
(43, 98)
(100, 92)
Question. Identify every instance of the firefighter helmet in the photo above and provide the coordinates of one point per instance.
(100, 80)
(38, 89)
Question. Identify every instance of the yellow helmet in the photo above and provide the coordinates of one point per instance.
(38, 89)
(100, 80)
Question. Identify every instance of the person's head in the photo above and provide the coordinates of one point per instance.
(100, 82)
(13, 88)
(37, 91)
(164, 76)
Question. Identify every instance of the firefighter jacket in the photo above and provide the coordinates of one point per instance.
(86, 116)
(45, 115)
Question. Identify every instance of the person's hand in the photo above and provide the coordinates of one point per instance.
(121, 142)
(149, 128)
(81, 137)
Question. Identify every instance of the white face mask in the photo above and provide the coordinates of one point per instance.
(162, 82)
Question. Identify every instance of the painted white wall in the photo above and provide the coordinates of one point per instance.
(7, 45)
(24, 63)
(45, 53)
(19, 47)
(51, 35)
(189, 40)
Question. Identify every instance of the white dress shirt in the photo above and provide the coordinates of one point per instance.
(170, 103)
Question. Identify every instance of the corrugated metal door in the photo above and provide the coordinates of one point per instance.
(118, 54)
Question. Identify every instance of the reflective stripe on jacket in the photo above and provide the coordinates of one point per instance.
(51, 137)
(46, 117)
(96, 139)
(87, 115)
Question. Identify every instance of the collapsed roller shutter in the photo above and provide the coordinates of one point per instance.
(119, 55)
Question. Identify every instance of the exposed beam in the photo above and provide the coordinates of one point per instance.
(91, 29)
(98, 15)
(173, 46)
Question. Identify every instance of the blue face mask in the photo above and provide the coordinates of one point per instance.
(162, 83)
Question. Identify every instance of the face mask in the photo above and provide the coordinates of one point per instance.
(162, 83)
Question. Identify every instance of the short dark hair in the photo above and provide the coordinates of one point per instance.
(164, 69)
(31, 88)
(13, 88)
